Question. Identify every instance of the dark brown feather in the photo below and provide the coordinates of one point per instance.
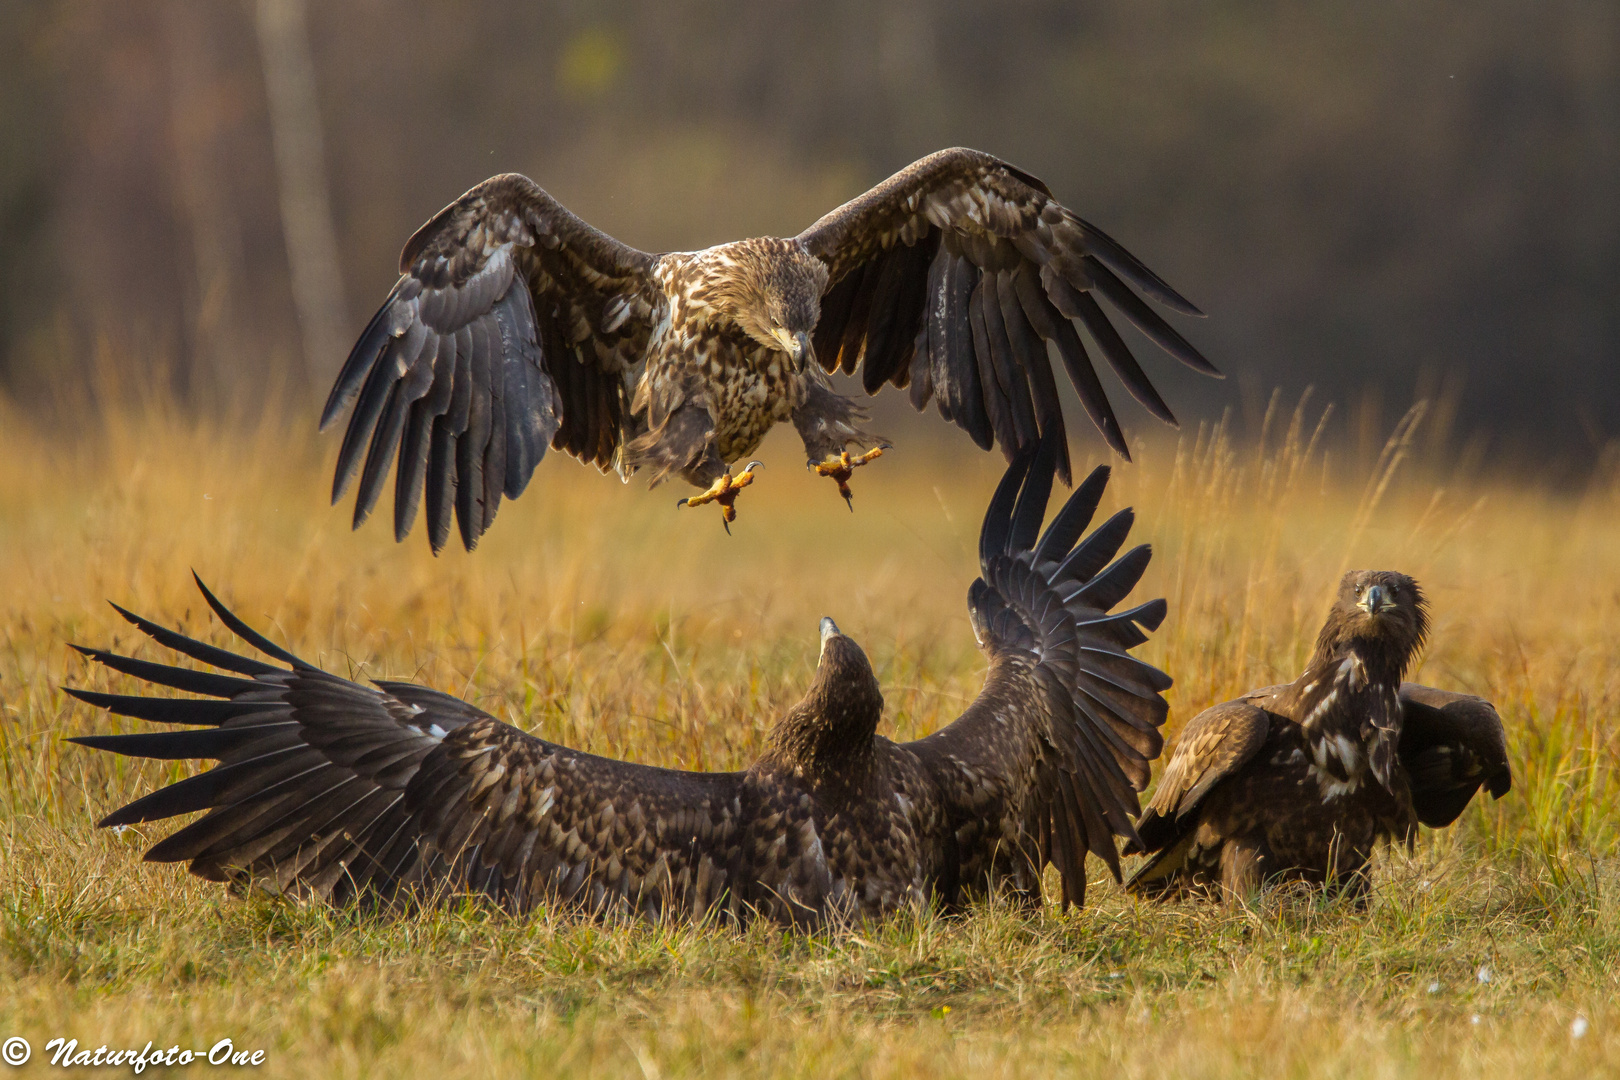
(1001, 221)
(496, 273)
(1451, 745)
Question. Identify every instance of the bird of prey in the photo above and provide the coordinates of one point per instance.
(1300, 782)
(515, 325)
(397, 794)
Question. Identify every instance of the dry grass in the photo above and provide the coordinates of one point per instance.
(601, 617)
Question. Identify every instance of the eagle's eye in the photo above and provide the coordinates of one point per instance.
(1358, 590)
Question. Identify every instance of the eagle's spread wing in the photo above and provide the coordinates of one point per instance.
(512, 327)
(1051, 754)
(328, 788)
(1451, 744)
(952, 276)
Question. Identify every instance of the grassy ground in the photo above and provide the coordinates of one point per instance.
(601, 617)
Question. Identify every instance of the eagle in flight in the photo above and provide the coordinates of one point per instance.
(516, 326)
(1300, 782)
(397, 794)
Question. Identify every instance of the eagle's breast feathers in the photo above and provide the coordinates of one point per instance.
(699, 354)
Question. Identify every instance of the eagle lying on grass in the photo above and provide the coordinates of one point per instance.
(515, 326)
(1300, 782)
(399, 794)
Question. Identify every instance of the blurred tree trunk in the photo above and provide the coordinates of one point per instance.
(306, 213)
(198, 116)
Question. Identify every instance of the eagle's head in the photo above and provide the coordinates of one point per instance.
(830, 730)
(1382, 612)
(845, 689)
(772, 289)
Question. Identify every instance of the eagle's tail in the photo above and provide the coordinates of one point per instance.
(1161, 874)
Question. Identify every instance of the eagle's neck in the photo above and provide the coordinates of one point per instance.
(1348, 703)
(829, 736)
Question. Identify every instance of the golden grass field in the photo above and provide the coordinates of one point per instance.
(601, 617)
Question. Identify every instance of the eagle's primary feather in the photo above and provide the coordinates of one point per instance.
(1302, 781)
(396, 793)
(515, 326)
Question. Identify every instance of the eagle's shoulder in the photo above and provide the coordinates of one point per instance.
(1215, 745)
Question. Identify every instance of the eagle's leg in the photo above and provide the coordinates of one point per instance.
(828, 423)
(843, 466)
(724, 491)
(1245, 864)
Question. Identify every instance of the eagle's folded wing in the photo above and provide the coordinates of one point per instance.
(331, 789)
(511, 327)
(1215, 744)
(1068, 720)
(952, 276)
(1451, 744)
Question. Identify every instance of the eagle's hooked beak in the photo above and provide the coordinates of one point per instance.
(1374, 600)
(797, 346)
(829, 629)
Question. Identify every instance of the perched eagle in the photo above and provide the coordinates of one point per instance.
(1302, 781)
(400, 794)
(515, 326)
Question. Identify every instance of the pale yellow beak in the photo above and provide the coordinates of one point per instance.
(797, 346)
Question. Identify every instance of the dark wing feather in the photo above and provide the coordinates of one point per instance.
(967, 267)
(1451, 745)
(331, 789)
(1045, 765)
(514, 325)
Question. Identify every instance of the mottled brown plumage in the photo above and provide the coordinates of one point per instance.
(400, 794)
(1302, 781)
(516, 326)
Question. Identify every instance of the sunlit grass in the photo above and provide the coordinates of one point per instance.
(600, 616)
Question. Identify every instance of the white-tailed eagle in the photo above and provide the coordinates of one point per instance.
(516, 326)
(397, 794)
(1301, 782)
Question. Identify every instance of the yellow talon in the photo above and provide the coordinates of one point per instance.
(842, 467)
(724, 491)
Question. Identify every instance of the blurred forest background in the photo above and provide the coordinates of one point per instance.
(210, 197)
